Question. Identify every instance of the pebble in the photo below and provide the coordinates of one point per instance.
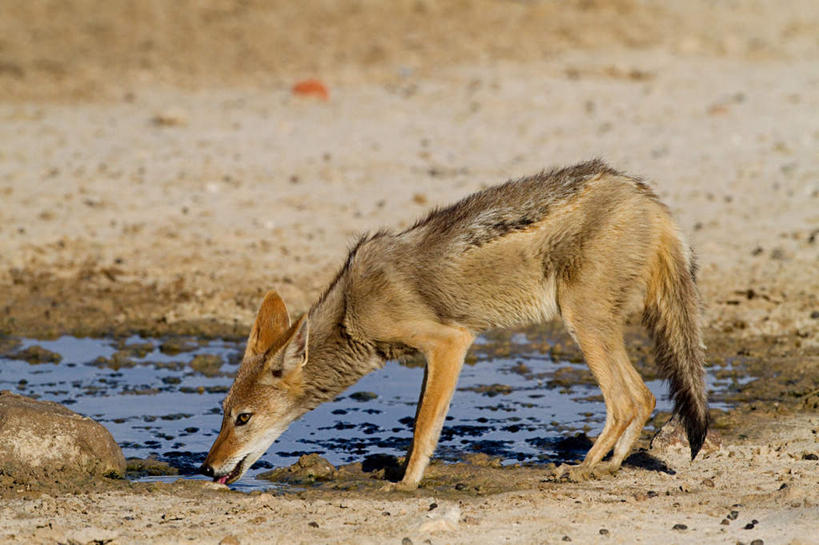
(171, 117)
(311, 87)
(679, 527)
(229, 540)
(757, 542)
(733, 515)
(406, 541)
(363, 396)
(604, 532)
(566, 538)
(313, 524)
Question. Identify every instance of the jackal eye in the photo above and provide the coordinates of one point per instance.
(243, 419)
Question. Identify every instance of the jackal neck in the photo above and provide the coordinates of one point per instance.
(335, 359)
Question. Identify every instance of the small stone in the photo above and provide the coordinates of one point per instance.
(432, 506)
(815, 314)
(565, 538)
(171, 117)
(604, 532)
(229, 540)
(308, 469)
(363, 396)
(810, 456)
(725, 522)
(313, 524)
(708, 482)
(733, 515)
(749, 526)
(406, 541)
(757, 542)
(679, 527)
(419, 198)
(311, 88)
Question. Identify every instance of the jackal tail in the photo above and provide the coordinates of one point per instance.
(671, 315)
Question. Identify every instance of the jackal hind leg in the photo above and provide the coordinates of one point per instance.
(601, 341)
(643, 401)
(444, 348)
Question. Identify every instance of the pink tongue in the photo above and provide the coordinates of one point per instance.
(222, 480)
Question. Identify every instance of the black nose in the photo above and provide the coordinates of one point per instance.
(206, 470)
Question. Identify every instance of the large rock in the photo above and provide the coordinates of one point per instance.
(44, 440)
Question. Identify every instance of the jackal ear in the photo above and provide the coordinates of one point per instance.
(271, 323)
(287, 362)
(295, 351)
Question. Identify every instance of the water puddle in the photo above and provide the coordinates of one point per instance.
(161, 398)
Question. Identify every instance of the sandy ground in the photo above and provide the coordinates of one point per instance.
(146, 191)
(758, 490)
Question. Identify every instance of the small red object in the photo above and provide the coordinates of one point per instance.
(311, 87)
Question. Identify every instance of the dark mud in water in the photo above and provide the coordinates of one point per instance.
(160, 398)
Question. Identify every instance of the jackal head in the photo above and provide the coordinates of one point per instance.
(263, 399)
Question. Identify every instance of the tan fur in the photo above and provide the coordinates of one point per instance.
(585, 243)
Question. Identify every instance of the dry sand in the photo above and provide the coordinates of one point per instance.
(164, 187)
(758, 490)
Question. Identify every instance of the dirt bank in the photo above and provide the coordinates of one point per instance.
(754, 488)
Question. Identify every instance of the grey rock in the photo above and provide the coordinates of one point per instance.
(43, 440)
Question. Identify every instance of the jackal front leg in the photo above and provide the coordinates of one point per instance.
(444, 348)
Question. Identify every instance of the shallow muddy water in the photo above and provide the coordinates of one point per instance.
(161, 398)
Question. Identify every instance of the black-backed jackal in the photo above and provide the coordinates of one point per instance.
(584, 243)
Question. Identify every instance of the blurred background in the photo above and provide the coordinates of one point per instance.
(162, 164)
(92, 48)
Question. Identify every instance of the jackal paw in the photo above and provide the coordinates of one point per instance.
(399, 486)
(605, 469)
(571, 474)
(581, 473)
